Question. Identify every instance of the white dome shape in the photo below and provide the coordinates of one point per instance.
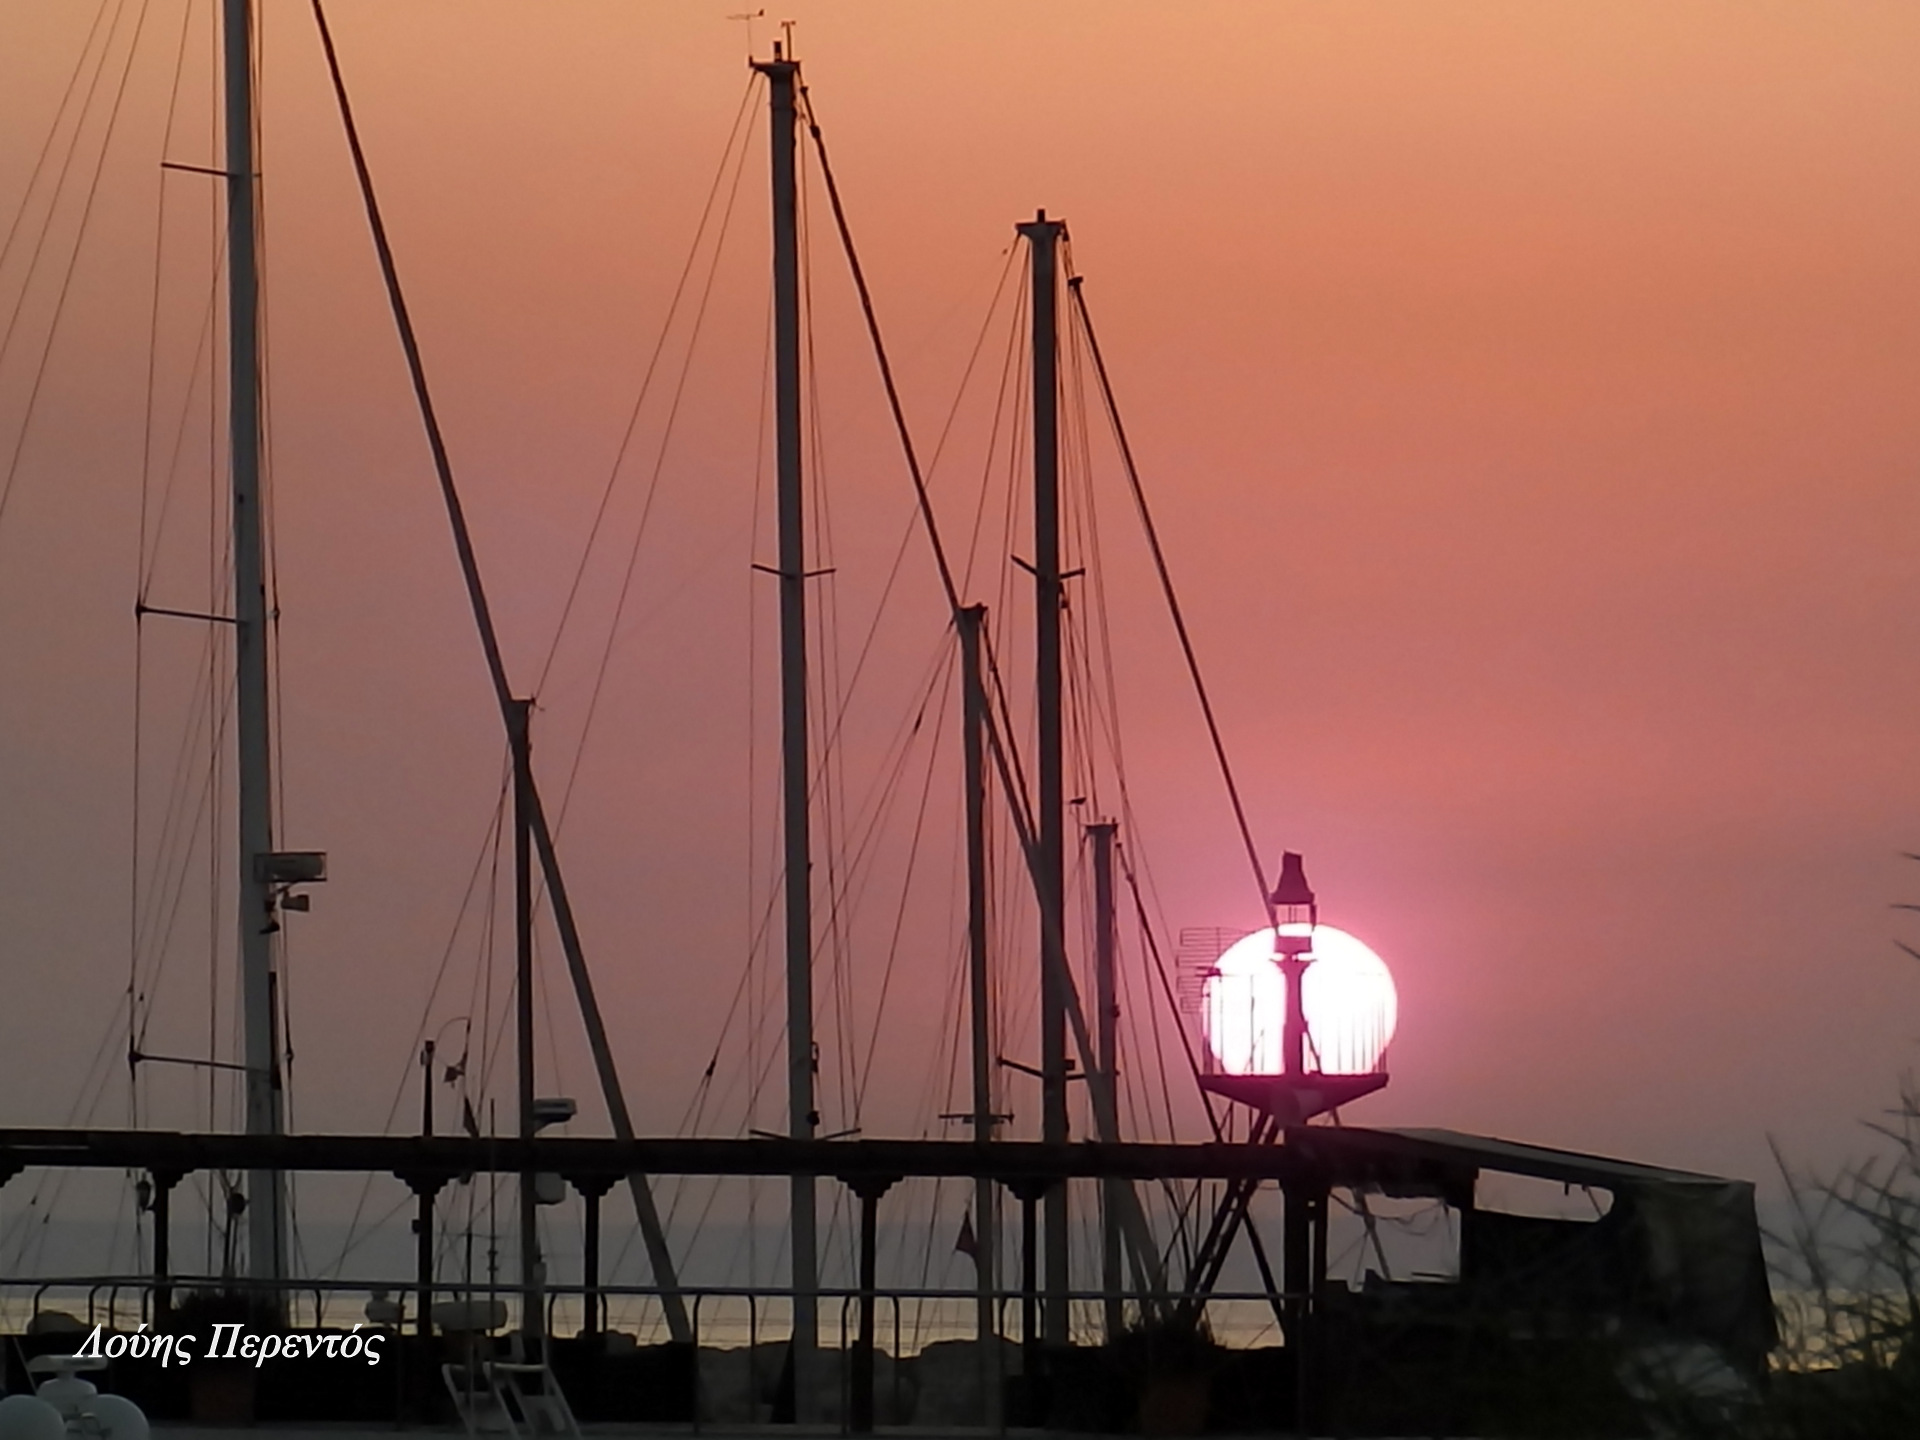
(66, 1393)
(27, 1417)
(117, 1418)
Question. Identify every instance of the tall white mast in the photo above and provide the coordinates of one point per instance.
(266, 1202)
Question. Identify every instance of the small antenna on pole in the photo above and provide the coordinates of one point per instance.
(748, 17)
(786, 30)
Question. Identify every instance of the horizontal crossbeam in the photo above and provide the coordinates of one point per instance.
(449, 1155)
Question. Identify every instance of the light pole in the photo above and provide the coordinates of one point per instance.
(1295, 915)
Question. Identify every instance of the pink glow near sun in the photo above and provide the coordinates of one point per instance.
(1348, 995)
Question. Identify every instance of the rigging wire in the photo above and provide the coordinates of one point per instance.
(900, 913)
(1000, 743)
(651, 493)
(646, 379)
(476, 592)
(93, 1089)
(135, 1021)
(151, 536)
(829, 765)
(870, 816)
(1004, 403)
(757, 973)
(1076, 290)
(175, 851)
(66, 160)
(1111, 405)
(841, 888)
(53, 130)
(73, 256)
(880, 357)
(487, 860)
(1095, 714)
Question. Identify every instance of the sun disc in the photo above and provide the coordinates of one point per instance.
(1347, 995)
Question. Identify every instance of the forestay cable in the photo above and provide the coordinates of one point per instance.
(545, 851)
(1172, 596)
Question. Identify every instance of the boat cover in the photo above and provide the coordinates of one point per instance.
(1678, 1248)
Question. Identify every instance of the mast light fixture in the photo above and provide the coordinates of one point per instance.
(290, 867)
(1295, 910)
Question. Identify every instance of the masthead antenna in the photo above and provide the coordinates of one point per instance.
(748, 17)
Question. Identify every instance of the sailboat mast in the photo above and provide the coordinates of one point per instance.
(802, 1115)
(532, 1271)
(266, 1203)
(972, 622)
(1104, 1073)
(1043, 240)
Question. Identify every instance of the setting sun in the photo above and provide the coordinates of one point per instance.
(1348, 995)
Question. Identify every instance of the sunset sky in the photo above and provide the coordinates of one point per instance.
(1527, 392)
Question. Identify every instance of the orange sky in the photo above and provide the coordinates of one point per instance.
(1526, 393)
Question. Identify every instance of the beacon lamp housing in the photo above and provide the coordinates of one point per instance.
(1295, 912)
(1299, 973)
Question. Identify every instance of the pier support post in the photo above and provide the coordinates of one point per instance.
(160, 1207)
(591, 1188)
(425, 1187)
(869, 1188)
(1304, 1274)
(1029, 1191)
